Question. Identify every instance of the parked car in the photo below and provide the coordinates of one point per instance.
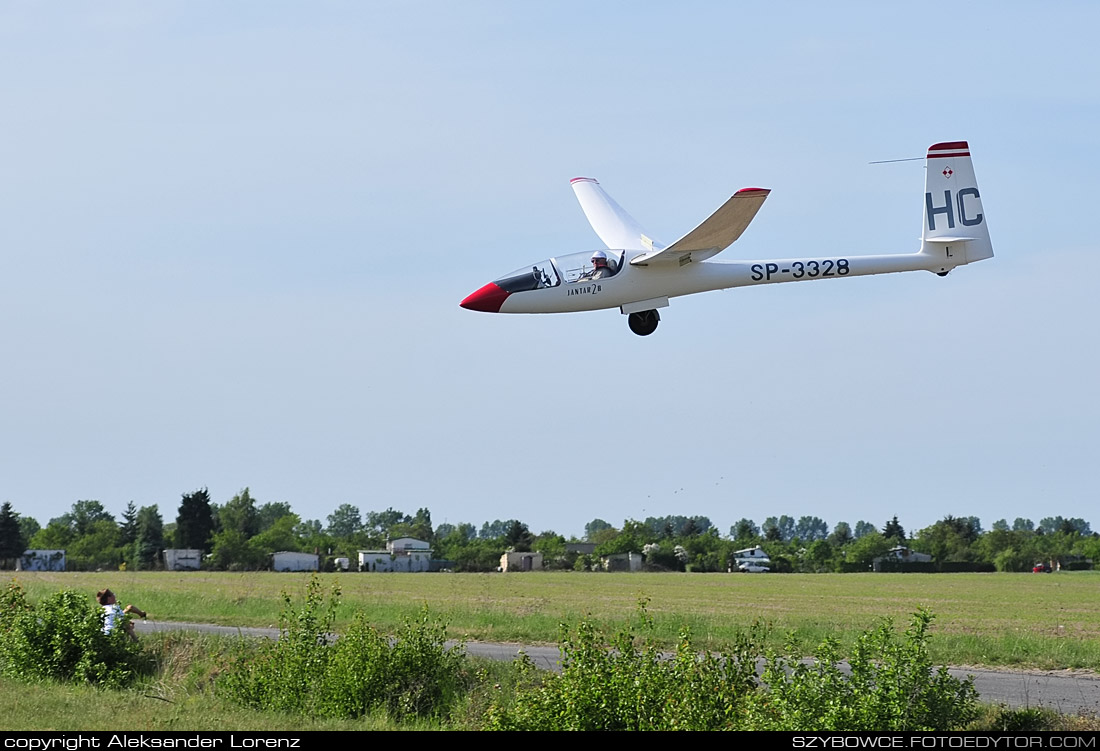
(753, 568)
(1040, 568)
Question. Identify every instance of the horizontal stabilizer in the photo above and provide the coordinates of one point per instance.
(952, 240)
(715, 234)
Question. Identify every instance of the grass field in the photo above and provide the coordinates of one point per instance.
(1006, 620)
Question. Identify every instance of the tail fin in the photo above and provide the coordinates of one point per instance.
(955, 229)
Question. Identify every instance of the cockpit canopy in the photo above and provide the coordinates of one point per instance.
(570, 269)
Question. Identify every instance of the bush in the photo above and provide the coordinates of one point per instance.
(62, 639)
(619, 684)
(309, 672)
(631, 686)
(892, 686)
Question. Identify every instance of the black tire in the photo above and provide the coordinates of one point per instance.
(644, 322)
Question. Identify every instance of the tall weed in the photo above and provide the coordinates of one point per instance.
(892, 685)
(626, 683)
(307, 671)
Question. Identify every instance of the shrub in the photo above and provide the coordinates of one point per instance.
(892, 685)
(309, 672)
(621, 684)
(62, 639)
(630, 686)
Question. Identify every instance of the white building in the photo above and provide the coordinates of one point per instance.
(182, 559)
(900, 554)
(521, 562)
(752, 560)
(41, 560)
(753, 554)
(286, 560)
(404, 554)
(622, 562)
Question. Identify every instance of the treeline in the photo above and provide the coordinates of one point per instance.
(241, 535)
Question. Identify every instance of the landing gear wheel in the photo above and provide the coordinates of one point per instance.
(644, 322)
(941, 273)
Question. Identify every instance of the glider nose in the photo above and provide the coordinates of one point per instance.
(488, 299)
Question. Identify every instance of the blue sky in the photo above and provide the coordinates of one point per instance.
(234, 238)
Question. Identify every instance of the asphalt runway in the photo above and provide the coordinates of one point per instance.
(1065, 691)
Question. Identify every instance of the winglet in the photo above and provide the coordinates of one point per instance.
(616, 228)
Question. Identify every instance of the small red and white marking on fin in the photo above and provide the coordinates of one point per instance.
(948, 149)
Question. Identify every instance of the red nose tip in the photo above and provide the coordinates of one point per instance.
(488, 299)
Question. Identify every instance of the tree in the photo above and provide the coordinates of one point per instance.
(149, 537)
(239, 515)
(28, 526)
(631, 539)
(380, 523)
(12, 542)
(770, 527)
(97, 548)
(54, 536)
(841, 536)
(744, 530)
(128, 529)
(1001, 525)
(552, 547)
(782, 528)
(864, 550)
(195, 521)
(1065, 526)
(345, 522)
(420, 527)
(894, 529)
(269, 512)
(593, 528)
(949, 539)
(495, 529)
(818, 557)
(1023, 525)
(278, 536)
(810, 528)
(518, 537)
(83, 516)
(230, 551)
(864, 528)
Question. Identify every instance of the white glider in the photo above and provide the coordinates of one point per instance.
(639, 275)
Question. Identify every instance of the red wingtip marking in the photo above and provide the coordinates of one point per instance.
(584, 180)
(753, 190)
(488, 299)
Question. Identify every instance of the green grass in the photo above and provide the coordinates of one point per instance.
(1006, 620)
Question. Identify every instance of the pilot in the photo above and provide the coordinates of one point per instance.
(601, 269)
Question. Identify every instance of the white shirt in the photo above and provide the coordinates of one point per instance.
(110, 615)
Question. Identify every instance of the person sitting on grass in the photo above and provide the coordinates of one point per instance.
(111, 612)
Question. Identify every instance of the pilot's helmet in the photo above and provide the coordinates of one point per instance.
(599, 259)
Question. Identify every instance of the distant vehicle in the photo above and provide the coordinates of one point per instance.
(752, 568)
(638, 275)
(1040, 568)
